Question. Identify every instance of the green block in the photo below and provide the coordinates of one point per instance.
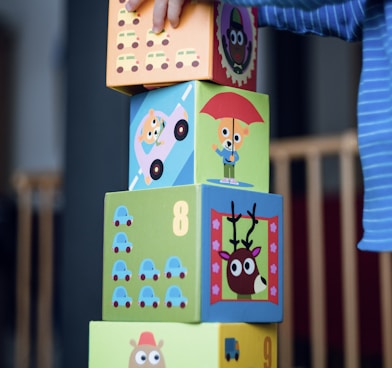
(169, 255)
(179, 345)
(199, 133)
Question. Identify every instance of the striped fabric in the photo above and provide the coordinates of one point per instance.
(371, 22)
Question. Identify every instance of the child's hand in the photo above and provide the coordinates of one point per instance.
(170, 9)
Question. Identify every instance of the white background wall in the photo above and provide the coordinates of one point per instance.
(38, 111)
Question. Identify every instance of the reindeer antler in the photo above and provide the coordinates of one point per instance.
(233, 219)
(248, 243)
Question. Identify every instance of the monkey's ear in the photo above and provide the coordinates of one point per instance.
(160, 344)
(133, 343)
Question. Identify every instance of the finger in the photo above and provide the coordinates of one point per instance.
(174, 11)
(132, 5)
(159, 15)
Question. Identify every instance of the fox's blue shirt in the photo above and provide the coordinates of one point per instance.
(369, 21)
(226, 156)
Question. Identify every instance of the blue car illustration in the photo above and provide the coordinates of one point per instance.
(147, 297)
(120, 297)
(174, 297)
(122, 216)
(121, 243)
(120, 271)
(174, 268)
(147, 270)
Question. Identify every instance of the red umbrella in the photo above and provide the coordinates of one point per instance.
(232, 105)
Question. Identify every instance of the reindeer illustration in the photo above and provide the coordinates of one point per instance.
(242, 272)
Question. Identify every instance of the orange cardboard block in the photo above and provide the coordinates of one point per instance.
(214, 41)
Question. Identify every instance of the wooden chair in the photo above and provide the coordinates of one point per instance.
(35, 191)
(312, 150)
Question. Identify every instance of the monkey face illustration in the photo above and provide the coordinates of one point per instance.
(237, 40)
(237, 44)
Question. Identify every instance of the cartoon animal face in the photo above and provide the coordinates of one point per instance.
(242, 272)
(237, 47)
(231, 134)
(152, 128)
(146, 353)
(237, 38)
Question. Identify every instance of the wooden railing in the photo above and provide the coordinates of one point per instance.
(312, 151)
(35, 194)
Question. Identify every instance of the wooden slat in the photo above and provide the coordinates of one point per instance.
(349, 259)
(283, 180)
(26, 185)
(45, 280)
(316, 259)
(298, 148)
(386, 307)
(23, 274)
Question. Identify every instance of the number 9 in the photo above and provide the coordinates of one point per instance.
(267, 352)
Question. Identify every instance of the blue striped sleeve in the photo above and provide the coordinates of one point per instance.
(343, 19)
(375, 128)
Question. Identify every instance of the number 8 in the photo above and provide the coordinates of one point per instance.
(180, 219)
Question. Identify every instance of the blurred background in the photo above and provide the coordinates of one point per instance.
(57, 117)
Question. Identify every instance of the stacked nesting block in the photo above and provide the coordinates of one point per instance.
(214, 42)
(199, 133)
(193, 252)
(206, 345)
